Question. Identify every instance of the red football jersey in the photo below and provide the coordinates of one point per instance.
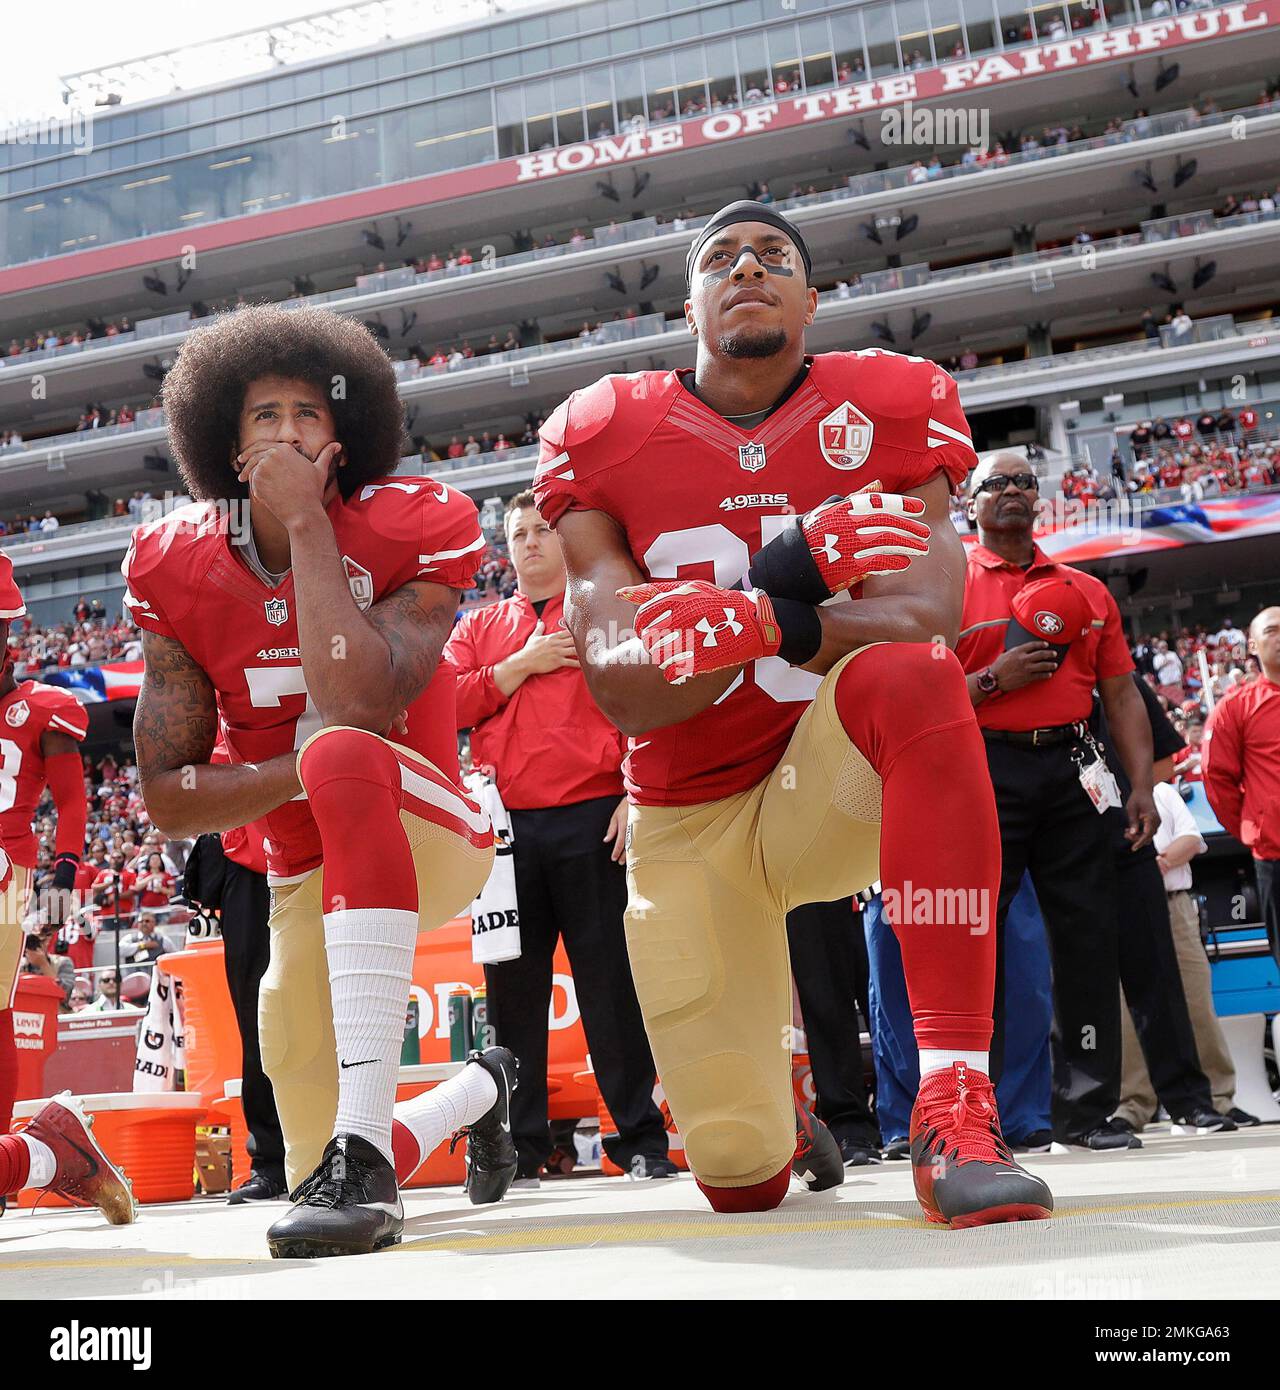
(186, 581)
(696, 496)
(26, 713)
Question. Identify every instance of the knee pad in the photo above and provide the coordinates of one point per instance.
(733, 1125)
(347, 754)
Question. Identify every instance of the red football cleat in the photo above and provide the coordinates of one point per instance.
(965, 1173)
(85, 1175)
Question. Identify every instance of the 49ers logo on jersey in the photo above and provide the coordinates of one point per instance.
(359, 581)
(845, 437)
(17, 714)
(277, 611)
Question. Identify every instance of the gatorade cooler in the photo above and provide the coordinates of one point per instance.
(150, 1136)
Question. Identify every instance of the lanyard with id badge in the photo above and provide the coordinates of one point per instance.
(1096, 777)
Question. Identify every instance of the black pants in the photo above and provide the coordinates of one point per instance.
(246, 905)
(567, 885)
(1269, 900)
(1048, 826)
(829, 962)
(1153, 986)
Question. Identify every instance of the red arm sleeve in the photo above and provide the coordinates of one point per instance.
(65, 774)
(1222, 768)
(477, 695)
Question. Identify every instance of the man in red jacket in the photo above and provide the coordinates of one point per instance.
(557, 764)
(1240, 759)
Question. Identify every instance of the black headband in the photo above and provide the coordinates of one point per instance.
(747, 211)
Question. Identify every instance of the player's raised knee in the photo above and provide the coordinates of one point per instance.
(343, 752)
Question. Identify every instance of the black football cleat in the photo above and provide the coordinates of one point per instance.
(350, 1205)
(85, 1176)
(965, 1174)
(491, 1153)
(1202, 1122)
(818, 1162)
(257, 1187)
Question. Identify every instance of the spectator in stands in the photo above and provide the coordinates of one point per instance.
(144, 944)
(108, 997)
(41, 958)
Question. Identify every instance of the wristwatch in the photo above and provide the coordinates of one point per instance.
(987, 681)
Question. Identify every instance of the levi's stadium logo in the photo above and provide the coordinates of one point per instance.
(1048, 623)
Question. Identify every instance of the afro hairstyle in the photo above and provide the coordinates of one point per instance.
(204, 391)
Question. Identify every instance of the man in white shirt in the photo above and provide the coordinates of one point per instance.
(1177, 842)
(1168, 666)
(1229, 635)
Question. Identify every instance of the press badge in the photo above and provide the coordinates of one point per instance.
(1097, 779)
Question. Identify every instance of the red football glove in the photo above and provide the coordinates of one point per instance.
(868, 533)
(690, 627)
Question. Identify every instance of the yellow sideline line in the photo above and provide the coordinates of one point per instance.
(599, 1232)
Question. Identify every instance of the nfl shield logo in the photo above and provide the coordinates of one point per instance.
(277, 611)
(845, 437)
(17, 714)
(359, 581)
(751, 457)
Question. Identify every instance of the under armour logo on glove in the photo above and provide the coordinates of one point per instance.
(868, 533)
(690, 627)
(710, 629)
(838, 544)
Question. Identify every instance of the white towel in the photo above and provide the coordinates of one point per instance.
(160, 1041)
(495, 914)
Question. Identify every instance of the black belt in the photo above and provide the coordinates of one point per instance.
(1038, 738)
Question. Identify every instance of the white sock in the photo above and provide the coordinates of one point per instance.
(436, 1114)
(44, 1167)
(370, 953)
(932, 1058)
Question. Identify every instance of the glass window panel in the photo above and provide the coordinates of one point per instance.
(421, 87)
(747, 12)
(593, 47)
(684, 26)
(948, 31)
(538, 115)
(280, 119)
(625, 41)
(391, 63)
(449, 50)
(309, 82)
(816, 54)
(201, 109)
(478, 74)
(562, 24)
(882, 47)
(721, 72)
(784, 55)
(753, 67)
(253, 127)
(536, 61)
(510, 111)
(654, 32)
(150, 120)
(503, 36)
(505, 66)
(570, 129)
(534, 30)
(252, 97)
(659, 84)
(393, 93)
(449, 80)
(913, 33)
(1015, 23)
(979, 25)
(599, 101)
(1049, 21)
(716, 20)
(280, 88)
(628, 87)
(846, 31)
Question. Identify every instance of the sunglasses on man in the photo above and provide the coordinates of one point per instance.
(997, 482)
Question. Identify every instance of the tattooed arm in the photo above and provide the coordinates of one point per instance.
(363, 669)
(175, 725)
